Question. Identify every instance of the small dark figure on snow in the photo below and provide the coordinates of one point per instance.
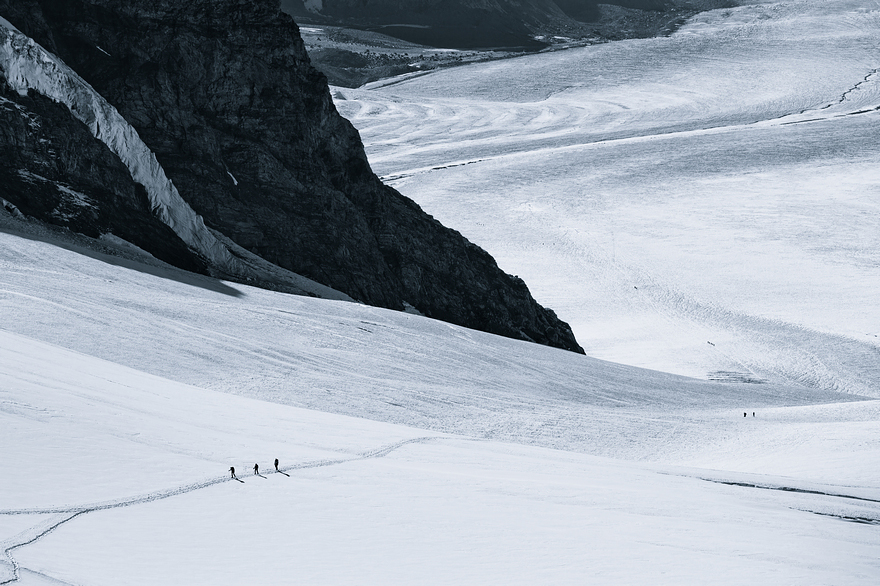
(276, 465)
(232, 471)
(744, 414)
(753, 413)
(257, 469)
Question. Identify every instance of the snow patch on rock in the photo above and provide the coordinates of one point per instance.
(27, 66)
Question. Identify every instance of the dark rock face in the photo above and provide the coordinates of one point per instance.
(482, 24)
(223, 93)
(53, 169)
(463, 24)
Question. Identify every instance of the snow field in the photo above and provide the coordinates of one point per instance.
(719, 185)
(461, 513)
(365, 362)
(703, 204)
(437, 510)
(133, 465)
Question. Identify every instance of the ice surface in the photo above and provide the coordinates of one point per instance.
(702, 204)
(131, 469)
(692, 227)
(131, 463)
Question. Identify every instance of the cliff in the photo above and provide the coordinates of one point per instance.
(224, 96)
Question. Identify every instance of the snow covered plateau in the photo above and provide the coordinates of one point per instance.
(702, 208)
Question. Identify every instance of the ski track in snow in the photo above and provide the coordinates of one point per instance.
(65, 514)
(758, 122)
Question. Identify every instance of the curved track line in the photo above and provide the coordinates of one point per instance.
(30, 536)
(783, 488)
(69, 513)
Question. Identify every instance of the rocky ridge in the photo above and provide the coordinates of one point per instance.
(224, 96)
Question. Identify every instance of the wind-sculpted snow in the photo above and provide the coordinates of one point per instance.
(27, 66)
(699, 204)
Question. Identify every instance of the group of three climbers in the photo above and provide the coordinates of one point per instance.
(256, 469)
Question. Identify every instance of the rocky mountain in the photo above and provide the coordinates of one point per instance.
(53, 167)
(222, 95)
(501, 24)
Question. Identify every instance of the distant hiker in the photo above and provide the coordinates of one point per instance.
(276, 465)
(753, 413)
(257, 469)
(232, 470)
(744, 415)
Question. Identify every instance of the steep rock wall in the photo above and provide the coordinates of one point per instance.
(26, 66)
(223, 93)
(53, 169)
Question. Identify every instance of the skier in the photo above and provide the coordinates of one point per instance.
(257, 469)
(232, 470)
(276, 465)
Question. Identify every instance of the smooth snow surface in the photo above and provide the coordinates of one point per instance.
(704, 204)
(116, 471)
(417, 452)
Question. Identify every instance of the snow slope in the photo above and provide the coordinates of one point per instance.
(115, 471)
(704, 204)
(121, 473)
(361, 361)
(690, 210)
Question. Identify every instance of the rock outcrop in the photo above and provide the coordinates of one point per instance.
(222, 92)
(52, 168)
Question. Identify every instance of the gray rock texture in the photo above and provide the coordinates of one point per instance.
(54, 170)
(222, 91)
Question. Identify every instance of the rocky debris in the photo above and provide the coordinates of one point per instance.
(351, 57)
(223, 93)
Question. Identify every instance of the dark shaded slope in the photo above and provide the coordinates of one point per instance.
(499, 24)
(223, 92)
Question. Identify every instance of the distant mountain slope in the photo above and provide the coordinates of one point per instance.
(223, 93)
(507, 24)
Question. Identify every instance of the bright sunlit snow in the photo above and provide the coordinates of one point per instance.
(720, 185)
(687, 203)
(131, 467)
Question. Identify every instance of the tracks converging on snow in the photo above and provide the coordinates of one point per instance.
(790, 489)
(62, 515)
(869, 516)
